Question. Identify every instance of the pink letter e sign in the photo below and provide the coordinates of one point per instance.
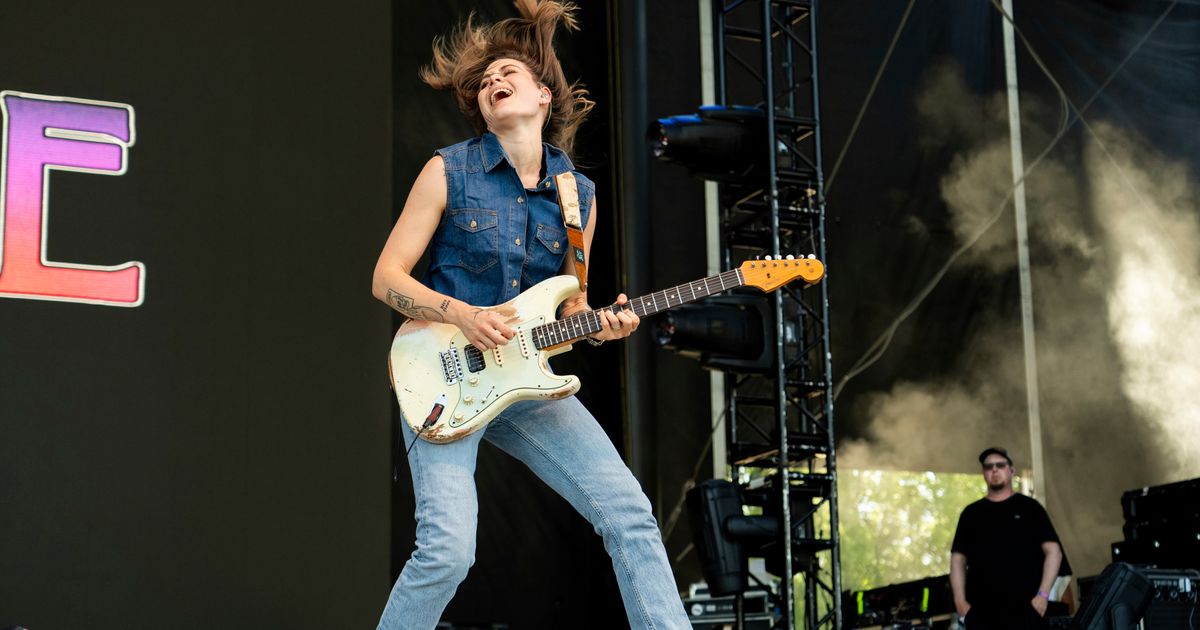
(42, 134)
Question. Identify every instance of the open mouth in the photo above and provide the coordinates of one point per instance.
(500, 94)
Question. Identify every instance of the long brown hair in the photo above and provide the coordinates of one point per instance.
(460, 59)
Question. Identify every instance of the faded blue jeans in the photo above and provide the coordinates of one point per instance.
(565, 447)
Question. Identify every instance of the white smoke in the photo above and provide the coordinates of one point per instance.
(1116, 282)
(1147, 210)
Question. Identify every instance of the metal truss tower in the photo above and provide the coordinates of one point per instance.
(780, 423)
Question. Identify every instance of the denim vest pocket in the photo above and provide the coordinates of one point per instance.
(546, 256)
(475, 239)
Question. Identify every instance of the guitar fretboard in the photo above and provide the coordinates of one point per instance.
(580, 325)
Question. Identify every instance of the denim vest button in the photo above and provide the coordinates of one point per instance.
(514, 283)
(520, 200)
(518, 241)
(555, 244)
(473, 223)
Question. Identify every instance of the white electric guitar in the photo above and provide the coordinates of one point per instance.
(448, 388)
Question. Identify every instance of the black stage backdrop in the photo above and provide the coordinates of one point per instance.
(218, 456)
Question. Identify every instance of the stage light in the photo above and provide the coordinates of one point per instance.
(726, 538)
(734, 332)
(1118, 600)
(720, 143)
(722, 559)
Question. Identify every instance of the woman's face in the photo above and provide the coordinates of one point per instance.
(509, 94)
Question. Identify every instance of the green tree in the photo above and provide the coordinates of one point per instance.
(897, 526)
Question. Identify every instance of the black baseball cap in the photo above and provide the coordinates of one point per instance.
(995, 450)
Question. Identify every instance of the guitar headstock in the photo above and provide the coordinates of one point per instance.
(769, 274)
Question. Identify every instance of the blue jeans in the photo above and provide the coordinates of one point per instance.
(563, 445)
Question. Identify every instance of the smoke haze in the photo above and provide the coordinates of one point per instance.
(1116, 287)
(1154, 297)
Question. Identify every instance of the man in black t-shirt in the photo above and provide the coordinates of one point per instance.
(1005, 555)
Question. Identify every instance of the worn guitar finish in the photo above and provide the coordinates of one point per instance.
(448, 389)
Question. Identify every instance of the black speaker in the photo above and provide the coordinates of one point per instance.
(1118, 600)
(1169, 501)
(1171, 616)
(1176, 598)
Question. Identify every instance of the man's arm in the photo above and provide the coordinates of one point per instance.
(958, 582)
(1049, 573)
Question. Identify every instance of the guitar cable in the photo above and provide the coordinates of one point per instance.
(438, 407)
(400, 426)
(418, 436)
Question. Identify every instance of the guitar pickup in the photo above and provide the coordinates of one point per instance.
(498, 356)
(523, 343)
(475, 361)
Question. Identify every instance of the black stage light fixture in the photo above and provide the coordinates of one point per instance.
(1118, 601)
(722, 559)
(725, 538)
(733, 332)
(720, 143)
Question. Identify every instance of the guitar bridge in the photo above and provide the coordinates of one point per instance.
(451, 366)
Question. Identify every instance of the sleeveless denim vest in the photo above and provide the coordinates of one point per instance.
(497, 238)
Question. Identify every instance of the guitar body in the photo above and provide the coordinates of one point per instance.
(438, 376)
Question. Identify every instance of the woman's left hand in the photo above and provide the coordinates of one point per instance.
(618, 324)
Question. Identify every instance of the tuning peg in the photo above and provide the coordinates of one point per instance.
(791, 257)
(812, 256)
(767, 257)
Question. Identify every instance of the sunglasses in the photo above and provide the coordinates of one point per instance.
(995, 466)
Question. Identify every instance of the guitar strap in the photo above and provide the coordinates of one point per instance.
(568, 202)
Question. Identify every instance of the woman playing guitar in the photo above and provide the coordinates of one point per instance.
(487, 210)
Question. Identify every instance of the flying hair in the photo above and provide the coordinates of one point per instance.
(460, 58)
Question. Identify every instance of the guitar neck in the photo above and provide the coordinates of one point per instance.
(579, 325)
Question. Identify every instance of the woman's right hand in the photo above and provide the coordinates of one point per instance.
(483, 328)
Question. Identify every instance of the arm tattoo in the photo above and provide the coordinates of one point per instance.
(445, 305)
(408, 308)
